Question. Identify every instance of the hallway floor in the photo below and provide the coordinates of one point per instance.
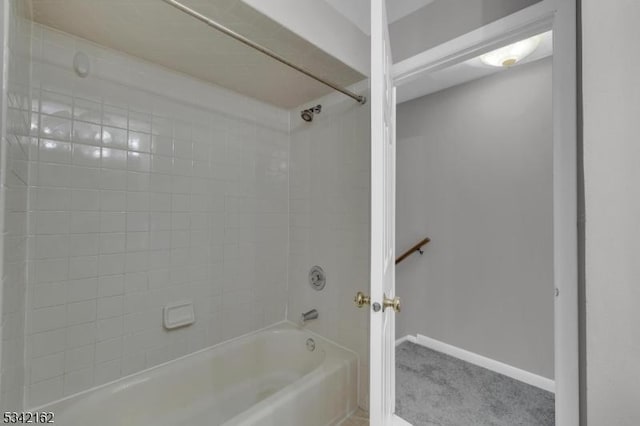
(436, 389)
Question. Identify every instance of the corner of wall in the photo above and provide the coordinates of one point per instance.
(15, 123)
(329, 220)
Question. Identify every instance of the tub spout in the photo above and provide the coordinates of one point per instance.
(311, 315)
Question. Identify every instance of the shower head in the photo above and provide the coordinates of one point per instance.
(307, 114)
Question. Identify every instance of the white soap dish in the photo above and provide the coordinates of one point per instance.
(179, 314)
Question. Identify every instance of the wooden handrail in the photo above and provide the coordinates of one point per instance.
(413, 249)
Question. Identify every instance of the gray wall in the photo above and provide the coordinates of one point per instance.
(611, 90)
(444, 20)
(475, 175)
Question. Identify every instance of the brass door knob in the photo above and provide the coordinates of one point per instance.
(361, 300)
(391, 303)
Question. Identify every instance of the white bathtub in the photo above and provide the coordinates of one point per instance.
(268, 378)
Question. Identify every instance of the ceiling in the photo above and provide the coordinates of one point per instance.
(159, 33)
(357, 11)
(465, 71)
(444, 20)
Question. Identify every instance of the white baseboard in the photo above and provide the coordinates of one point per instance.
(408, 337)
(482, 361)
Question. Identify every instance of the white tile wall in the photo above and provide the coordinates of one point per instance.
(14, 166)
(145, 187)
(329, 221)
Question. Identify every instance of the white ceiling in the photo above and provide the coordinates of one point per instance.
(155, 31)
(444, 20)
(357, 11)
(323, 26)
(463, 72)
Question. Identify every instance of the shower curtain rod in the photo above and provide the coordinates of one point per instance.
(242, 39)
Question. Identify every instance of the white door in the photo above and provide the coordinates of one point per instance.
(383, 150)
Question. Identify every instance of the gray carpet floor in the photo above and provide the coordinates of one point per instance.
(436, 389)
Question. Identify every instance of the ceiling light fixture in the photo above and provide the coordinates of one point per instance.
(510, 55)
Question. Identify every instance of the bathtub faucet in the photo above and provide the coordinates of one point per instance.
(311, 315)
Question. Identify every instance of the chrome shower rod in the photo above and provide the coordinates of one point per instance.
(242, 39)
